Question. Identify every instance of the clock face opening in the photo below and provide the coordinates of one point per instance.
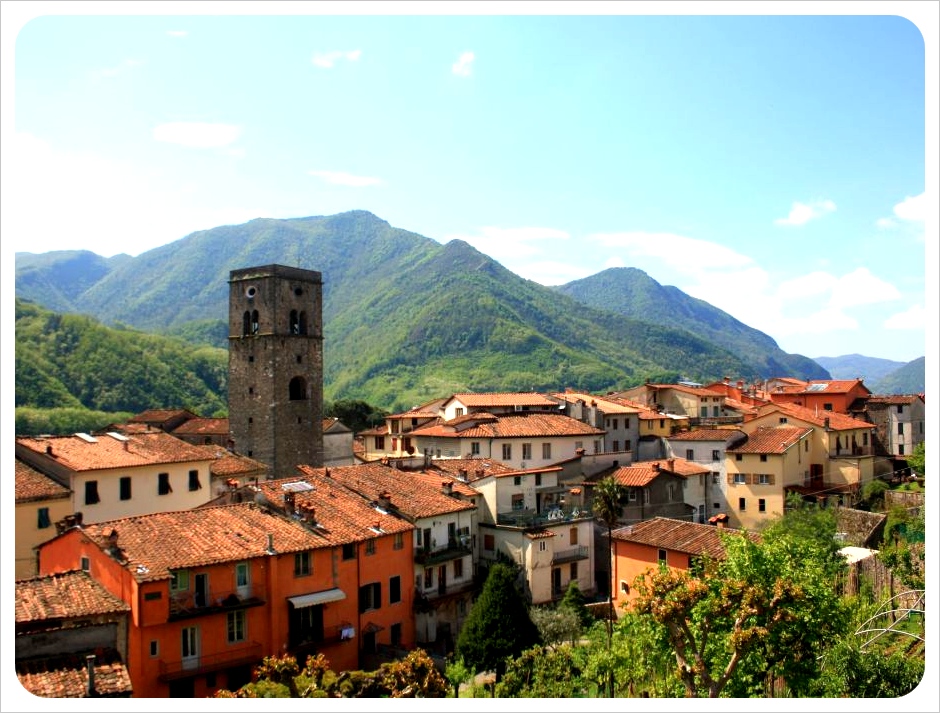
(251, 292)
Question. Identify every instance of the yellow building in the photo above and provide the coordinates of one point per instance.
(40, 502)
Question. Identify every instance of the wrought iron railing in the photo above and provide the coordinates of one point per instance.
(195, 665)
(189, 603)
(570, 555)
(530, 518)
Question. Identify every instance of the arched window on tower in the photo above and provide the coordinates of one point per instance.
(246, 324)
(294, 322)
(254, 322)
(298, 389)
(303, 322)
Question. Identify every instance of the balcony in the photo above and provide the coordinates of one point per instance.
(455, 549)
(854, 452)
(529, 519)
(187, 604)
(570, 555)
(234, 656)
(715, 420)
(303, 644)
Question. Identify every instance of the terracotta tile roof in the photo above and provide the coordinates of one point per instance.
(342, 516)
(694, 390)
(739, 406)
(837, 421)
(515, 425)
(32, 485)
(773, 439)
(226, 464)
(161, 415)
(605, 404)
(334, 425)
(679, 536)
(434, 477)
(895, 399)
(411, 494)
(519, 398)
(539, 534)
(830, 386)
(708, 434)
(67, 595)
(107, 451)
(203, 426)
(475, 468)
(413, 414)
(642, 473)
(66, 676)
(152, 545)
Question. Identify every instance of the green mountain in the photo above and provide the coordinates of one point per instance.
(908, 379)
(854, 366)
(406, 319)
(633, 293)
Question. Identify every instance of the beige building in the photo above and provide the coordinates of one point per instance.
(40, 503)
(113, 475)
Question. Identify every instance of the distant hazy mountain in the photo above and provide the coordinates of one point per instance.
(406, 319)
(633, 293)
(856, 366)
(908, 379)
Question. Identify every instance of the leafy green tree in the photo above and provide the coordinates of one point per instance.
(354, 414)
(850, 671)
(916, 459)
(903, 548)
(556, 625)
(873, 494)
(574, 600)
(498, 625)
(457, 673)
(542, 673)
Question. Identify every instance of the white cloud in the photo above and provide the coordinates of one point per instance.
(689, 256)
(463, 67)
(340, 178)
(912, 209)
(197, 134)
(614, 261)
(551, 272)
(913, 318)
(177, 33)
(509, 244)
(885, 223)
(860, 287)
(327, 60)
(802, 213)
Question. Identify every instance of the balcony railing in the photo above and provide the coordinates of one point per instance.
(304, 644)
(715, 420)
(187, 604)
(529, 518)
(850, 452)
(193, 666)
(570, 555)
(455, 549)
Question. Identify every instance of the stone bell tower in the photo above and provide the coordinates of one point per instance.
(275, 366)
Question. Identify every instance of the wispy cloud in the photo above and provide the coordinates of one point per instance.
(510, 243)
(687, 255)
(177, 33)
(125, 65)
(194, 134)
(914, 317)
(909, 216)
(327, 60)
(463, 67)
(802, 213)
(341, 178)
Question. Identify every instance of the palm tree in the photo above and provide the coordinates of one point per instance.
(607, 505)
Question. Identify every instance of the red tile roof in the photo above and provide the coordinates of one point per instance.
(515, 425)
(108, 451)
(679, 536)
(895, 399)
(773, 439)
(161, 415)
(152, 545)
(475, 468)
(203, 426)
(837, 421)
(66, 676)
(31, 485)
(520, 398)
(694, 390)
(67, 595)
(831, 386)
(411, 494)
(605, 404)
(643, 473)
(707, 434)
(226, 464)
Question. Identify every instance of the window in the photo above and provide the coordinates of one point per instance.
(538, 478)
(716, 455)
(661, 556)
(526, 451)
(163, 484)
(194, 483)
(370, 597)
(615, 424)
(474, 448)
(626, 445)
(370, 546)
(507, 451)
(154, 648)
(458, 411)
(716, 478)
(900, 449)
(574, 571)
(301, 564)
(189, 640)
(765, 479)
(349, 551)
(738, 456)
(380, 443)
(546, 451)
(827, 407)
(399, 541)
(488, 543)
(85, 564)
(763, 457)
(631, 495)
(236, 626)
(900, 408)
(428, 577)
(806, 446)
(241, 574)
(542, 546)
(624, 587)
(689, 454)
(615, 446)
(91, 492)
(864, 440)
(395, 634)
(518, 501)
(573, 535)
(716, 505)
(900, 429)
(42, 518)
(783, 419)
(458, 568)
(297, 389)
(716, 411)
(179, 580)
(761, 505)
(517, 480)
(394, 590)
(740, 478)
(124, 486)
(742, 504)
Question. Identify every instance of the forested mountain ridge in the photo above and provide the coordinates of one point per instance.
(405, 318)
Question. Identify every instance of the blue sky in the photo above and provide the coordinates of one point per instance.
(773, 166)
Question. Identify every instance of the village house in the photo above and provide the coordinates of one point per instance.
(112, 475)
(161, 419)
(337, 443)
(203, 431)
(71, 638)
(392, 439)
(647, 545)
(619, 420)
(898, 421)
(705, 447)
(821, 395)
(702, 406)
(41, 501)
(444, 515)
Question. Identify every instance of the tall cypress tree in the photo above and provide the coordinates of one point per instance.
(498, 625)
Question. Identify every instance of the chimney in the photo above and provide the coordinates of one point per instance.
(127, 445)
(727, 379)
(671, 464)
(270, 549)
(90, 667)
(385, 500)
(462, 473)
(326, 473)
(49, 449)
(656, 467)
(447, 486)
(78, 519)
(289, 503)
(826, 423)
(113, 540)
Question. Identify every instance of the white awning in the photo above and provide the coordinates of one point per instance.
(309, 600)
